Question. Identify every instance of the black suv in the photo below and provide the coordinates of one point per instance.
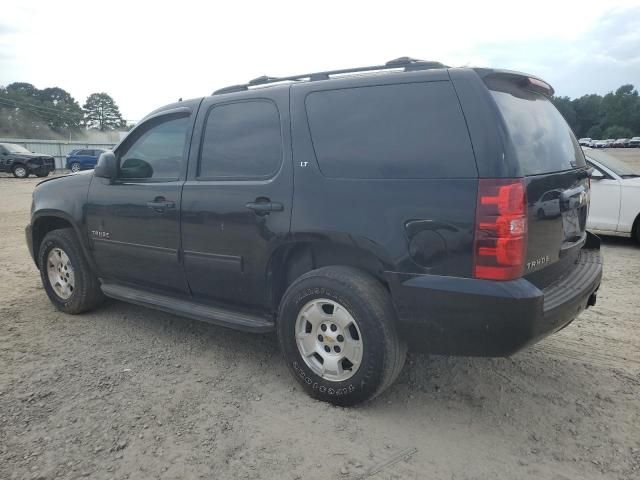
(357, 213)
(22, 163)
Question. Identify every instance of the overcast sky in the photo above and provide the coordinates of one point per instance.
(147, 54)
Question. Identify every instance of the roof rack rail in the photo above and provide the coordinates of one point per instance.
(406, 63)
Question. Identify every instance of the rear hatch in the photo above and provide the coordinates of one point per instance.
(555, 171)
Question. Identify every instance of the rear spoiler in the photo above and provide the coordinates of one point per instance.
(524, 80)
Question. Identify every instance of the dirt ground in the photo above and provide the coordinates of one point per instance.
(130, 393)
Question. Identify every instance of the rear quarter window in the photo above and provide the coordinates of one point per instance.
(412, 130)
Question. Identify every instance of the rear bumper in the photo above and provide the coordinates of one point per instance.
(464, 316)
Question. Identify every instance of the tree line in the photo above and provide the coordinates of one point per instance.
(28, 112)
(614, 115)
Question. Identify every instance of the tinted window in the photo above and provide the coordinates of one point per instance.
(83, 152)
(413, 130)
(542, 138)
(156, 150)
(241, 140)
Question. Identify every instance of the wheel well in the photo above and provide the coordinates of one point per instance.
(44, 225)
(292, 261)
(635, 227)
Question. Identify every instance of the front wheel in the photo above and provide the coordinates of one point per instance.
(336, 331)
(20, 171)
(66, 276)
(75, 167)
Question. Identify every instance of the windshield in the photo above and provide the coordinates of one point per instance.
(617, 166)
(13, 148)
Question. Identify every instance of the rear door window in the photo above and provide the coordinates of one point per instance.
(241, 141)
(411, 130)
(543, 141)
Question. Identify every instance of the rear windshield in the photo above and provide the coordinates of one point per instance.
(542, 138)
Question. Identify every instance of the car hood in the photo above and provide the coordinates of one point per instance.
(631, 182)
(27, 156)
(70, 179)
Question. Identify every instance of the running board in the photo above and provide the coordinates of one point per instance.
(184, 308)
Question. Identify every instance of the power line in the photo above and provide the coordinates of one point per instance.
(35, 108)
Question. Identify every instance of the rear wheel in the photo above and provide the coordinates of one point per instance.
(66, 276)
(20, 171)
(337, 333)
(75, 167)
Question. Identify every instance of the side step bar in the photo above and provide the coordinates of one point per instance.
(197, 311)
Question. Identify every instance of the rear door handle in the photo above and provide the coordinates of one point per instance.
(265, 208)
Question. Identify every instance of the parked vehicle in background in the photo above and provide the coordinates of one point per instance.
(634, 142)
(615, 196)
(83, 159)
(599, 144)
(21, 162)
(610, 142)
(586, 142)
(356, 213)
(621, 143)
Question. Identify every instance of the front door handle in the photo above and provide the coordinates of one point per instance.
(159, 204)
(265, 208)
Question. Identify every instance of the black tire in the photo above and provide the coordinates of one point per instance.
(42, 175)
(75, 165)
(370, 305)
(20, 171)
(86, 294)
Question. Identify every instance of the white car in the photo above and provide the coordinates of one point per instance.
(615, 196)
(586, 142)
(600, 144)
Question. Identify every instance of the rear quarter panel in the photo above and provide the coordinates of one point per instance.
(380, 215)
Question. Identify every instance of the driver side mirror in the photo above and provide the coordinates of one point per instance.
(107, 166)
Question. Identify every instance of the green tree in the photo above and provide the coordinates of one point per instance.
(101, 112)
(566, 108)
(595, 132)
(616, 131)
(30, 112)
(588, 112)
(622, 108)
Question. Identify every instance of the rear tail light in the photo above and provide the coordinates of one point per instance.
(501, 229)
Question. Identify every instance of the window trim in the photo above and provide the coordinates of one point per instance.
(203, 130)
(160, 118)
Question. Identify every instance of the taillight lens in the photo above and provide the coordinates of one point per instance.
(501, 229)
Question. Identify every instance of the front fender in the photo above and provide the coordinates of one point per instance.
(60, 202)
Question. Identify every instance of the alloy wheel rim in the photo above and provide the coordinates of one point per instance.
(60, 273)
(329, 340)
(21, 171)
(75, 167)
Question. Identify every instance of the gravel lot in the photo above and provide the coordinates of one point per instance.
(125, 392)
